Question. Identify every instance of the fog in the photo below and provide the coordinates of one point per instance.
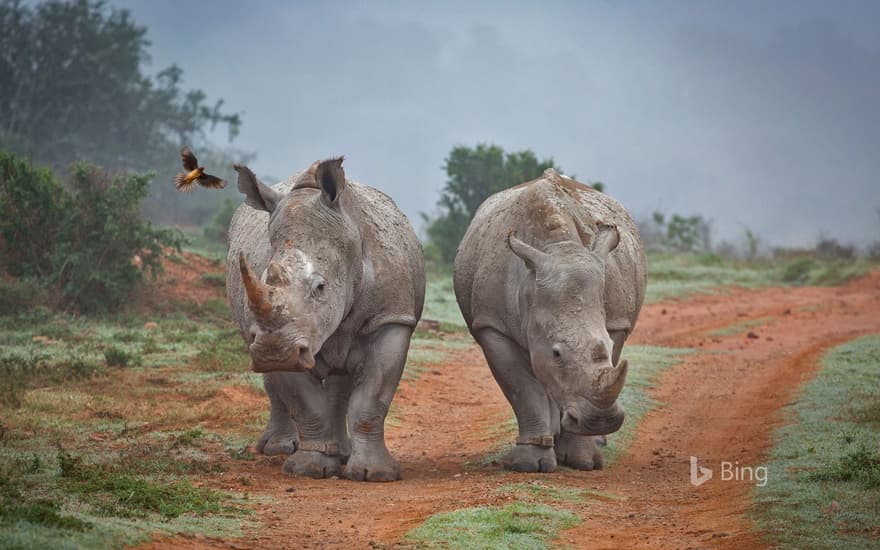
(763, 115)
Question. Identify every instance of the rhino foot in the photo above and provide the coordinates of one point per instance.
(372, 466)
(271, 443)
(312, 464)
(578, 451)
(530, 458)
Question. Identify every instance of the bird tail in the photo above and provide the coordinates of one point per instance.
(183, 184)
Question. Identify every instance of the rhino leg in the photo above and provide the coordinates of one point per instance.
(280, 434)
(317, 454)
(376, 380)
(578, 451)
(512, 371)
(338, 392)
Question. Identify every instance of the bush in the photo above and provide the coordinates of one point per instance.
(87, 242)
(18, 296)
(118, 357)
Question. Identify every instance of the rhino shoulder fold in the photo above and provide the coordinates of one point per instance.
(378, 321)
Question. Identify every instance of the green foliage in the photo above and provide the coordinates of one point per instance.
(33, 206)
(18, 373)
(117, 493)
(679, 233)
(91, 245)
(216, 229)
(473, 174)
(18, 296)
(517, 525)
(77, 89)
(15, 507)
(118, 357)
(860, 465)
(828, 454)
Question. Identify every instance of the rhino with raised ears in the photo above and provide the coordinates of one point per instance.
(326, 280)
(550, 278)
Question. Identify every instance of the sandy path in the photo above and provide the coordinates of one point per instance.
(720, 403)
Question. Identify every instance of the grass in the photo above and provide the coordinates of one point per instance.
(134, 407)
(517, 525)
(678, 275)
(440, 303)
(824, 469)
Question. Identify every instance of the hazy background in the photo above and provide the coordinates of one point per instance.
(758, 114)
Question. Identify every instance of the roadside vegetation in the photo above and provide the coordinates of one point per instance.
(824, 470)
(517, 525)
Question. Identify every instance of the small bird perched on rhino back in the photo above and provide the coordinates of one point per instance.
(185, 181)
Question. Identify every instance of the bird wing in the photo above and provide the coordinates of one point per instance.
(211, 182)
(190, 162)
(182, 183)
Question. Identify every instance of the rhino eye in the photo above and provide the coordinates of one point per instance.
(320, 287)
(557, 353)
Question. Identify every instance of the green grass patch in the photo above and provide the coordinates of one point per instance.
(824, 470)
(518, 525)
(115, 492)
(679, 275)
(440, 303)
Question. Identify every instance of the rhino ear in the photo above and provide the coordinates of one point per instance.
(605, 240)
(330, 177)
(257, 195)
(529, 254)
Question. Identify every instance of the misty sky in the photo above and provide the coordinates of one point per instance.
(764, 114)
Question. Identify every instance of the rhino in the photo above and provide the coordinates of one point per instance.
(550, 277)
(326, 280)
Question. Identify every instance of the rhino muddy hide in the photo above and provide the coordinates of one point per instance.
(325, 278)
(550, 277)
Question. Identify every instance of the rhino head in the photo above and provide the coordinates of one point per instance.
(569, 346)
(308, 284)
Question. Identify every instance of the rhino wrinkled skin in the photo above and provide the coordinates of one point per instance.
(325, 278)
(550, 278)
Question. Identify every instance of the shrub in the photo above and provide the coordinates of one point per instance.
(118, 357)
(88, 242)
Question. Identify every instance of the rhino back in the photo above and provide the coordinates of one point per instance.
(393, 286)
(539, 212)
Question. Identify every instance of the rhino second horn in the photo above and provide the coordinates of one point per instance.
(257, 292)
(609, 384)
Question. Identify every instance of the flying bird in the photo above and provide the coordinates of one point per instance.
(184, 181)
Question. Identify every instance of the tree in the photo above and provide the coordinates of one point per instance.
(74, 88)
(473, 174)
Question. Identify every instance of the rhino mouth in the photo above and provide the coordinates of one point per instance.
(591, 420)
(299, 358)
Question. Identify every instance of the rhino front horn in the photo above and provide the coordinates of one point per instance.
(609, 384)
(257, 292)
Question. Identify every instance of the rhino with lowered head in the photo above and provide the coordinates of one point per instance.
(326, 280)
(550, 278)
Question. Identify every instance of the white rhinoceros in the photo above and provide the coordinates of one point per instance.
(550, 278)
(326, 280)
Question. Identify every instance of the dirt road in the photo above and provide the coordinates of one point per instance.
(720, 403)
